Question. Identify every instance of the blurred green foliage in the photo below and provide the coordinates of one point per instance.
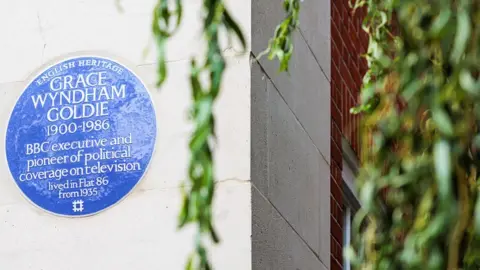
(199, 190)
(420, 101)
(206, 75)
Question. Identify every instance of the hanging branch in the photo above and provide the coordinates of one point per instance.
(199, 190)
(380, 50)
(281, 44)
(199, 194)
(162, 28)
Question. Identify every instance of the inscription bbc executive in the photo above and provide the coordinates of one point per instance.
(81, 136)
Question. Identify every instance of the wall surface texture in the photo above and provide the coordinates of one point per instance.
(140, 232)
(291, 154)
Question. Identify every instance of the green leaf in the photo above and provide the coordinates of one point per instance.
(443, 168)
(368, 91)
(204, 108)
(412, 89)
(179, 12)
(161, 31)
(440, 23)
(162, 63)
(184, 213)
(367, 195)
(436, 259)
(190, 261)
(402, 180)
(462, 36)
(442, 121)
(350, 254)
(213, 234)
(468, 83)
(232, 25)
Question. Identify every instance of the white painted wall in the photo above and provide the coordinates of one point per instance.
(140, 232)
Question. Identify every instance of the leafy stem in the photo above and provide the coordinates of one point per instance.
(206, 75)
(280, 45)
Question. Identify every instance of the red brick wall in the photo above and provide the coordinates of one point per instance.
(348, 43)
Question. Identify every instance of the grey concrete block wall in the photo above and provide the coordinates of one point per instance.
(291, 143)
(275, 244)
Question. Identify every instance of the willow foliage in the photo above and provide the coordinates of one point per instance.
(418, 182)
(199, 189)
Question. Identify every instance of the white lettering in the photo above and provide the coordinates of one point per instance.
(55, 85)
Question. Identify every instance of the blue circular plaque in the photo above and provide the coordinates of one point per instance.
(81, 136)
